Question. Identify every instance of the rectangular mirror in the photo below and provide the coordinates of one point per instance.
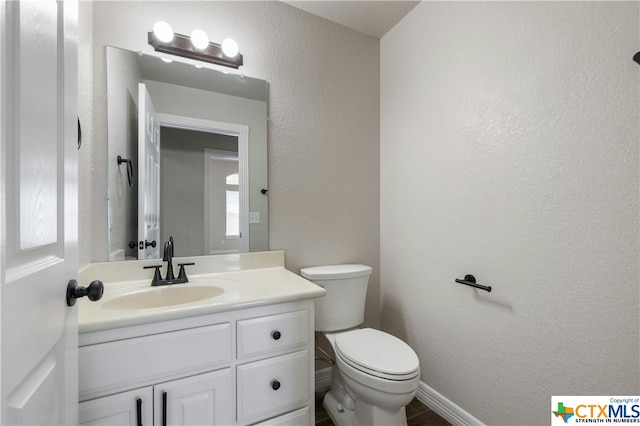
(187, 158)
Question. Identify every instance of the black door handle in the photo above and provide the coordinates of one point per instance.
(94, 291)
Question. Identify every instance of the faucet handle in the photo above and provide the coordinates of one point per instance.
(156, 275)
(182, 274)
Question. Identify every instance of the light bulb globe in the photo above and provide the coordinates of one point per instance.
(163, 31)
(230, 48)
(199, 40)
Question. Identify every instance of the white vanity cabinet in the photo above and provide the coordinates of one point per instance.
(241, 367)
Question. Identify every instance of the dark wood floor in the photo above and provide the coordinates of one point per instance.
(418, 414)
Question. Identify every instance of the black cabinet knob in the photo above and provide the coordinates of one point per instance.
(276, 335)
(275, 385)
(152, 244)
(94, 291)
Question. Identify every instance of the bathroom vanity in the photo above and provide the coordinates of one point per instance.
(243, 356)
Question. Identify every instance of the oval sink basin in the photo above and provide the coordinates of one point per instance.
(157, 297)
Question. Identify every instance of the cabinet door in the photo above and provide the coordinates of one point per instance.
(205, 399)
(134, 407)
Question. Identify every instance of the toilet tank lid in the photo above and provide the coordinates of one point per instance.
(335, 272)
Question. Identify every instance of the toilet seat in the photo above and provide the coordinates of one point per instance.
(378, 354)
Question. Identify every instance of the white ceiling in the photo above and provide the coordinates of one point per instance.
(374, 18)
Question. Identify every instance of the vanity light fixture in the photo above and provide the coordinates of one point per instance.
(196, 47)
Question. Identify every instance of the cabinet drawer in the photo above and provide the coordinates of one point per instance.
(272, 334)
(116, 365)
(273, 386)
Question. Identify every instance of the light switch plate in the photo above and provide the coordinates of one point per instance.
(254, 217)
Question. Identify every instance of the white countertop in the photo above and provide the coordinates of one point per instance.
(265, 282)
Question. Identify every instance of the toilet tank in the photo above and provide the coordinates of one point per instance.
(343, 305)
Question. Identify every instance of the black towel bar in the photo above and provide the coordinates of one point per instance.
(470, 280)
(129, 168)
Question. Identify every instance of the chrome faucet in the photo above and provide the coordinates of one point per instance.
(170, 278)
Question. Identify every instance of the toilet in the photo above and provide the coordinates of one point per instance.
(375, 374)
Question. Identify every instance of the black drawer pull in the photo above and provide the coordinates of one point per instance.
(164, 408)
(275, 385)
(139, 411)
(276, 335)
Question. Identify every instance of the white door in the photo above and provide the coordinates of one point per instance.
(148, 177)
(39, 212)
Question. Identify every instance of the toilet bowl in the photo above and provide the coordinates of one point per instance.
(380, 372)
(375, 374)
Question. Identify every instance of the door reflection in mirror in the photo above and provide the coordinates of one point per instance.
(193, 190)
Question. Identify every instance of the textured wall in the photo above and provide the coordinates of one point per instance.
(509, 149)
(323, 129)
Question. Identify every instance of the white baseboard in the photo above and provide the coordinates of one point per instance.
(425, 394)
(444, 407)
(323, 380)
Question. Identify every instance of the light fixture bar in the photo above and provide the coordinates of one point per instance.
(181, 46)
